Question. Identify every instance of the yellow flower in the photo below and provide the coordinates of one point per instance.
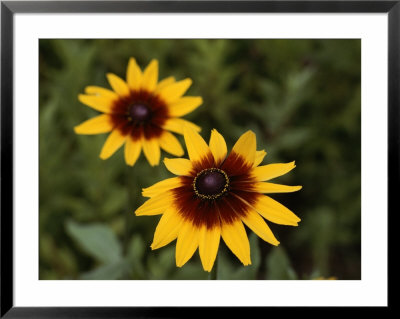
(323, 278)
(213, 195)
(139, 113)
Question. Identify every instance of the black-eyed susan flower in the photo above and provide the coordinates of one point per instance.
(213, 195)
(140, 113)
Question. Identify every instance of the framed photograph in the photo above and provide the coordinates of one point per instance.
(158, 156)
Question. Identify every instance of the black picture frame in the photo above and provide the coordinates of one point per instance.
(9, 8)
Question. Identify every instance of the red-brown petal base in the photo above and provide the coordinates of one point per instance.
(148, 125)
(225, 209)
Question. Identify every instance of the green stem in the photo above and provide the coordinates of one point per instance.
(126, 232)
(214, 271)
(129, 210)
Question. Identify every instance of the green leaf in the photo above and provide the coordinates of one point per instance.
(278, 265)
(96, 240)
(226, 265)
(162, 263)
(191, 271)
(232, 268)
(251, 271)
(136, 250)
(112, 271)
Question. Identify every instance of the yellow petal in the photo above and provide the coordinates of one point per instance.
(99, 103)
(218, 147)
(196, 146)
(114, 141)
(96, 90)
(270, 171)
(208, 246)
(173, 92)
(155, 205)
(177, 124)
(150, 76)
(184, 105)
(259, 157)
(118, 85)
(162, 186)
(255, 222)
(167, 229)
(163, 83)
(275, 212)
(133, 75)
(265, 187)
(170, 144)
(187, 243)
(132, 151)
(235, 237)
(151, 150)
(97, 125)
(246, 147)
(178, 166)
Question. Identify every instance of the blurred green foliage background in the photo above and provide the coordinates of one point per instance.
(300, 97)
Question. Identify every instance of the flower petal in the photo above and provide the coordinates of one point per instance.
(178, 166)
(255, 222)
(259, 157)
(118, 85)
(275, 212)
(218, 147)
(246, 147)
(163, 83)
(265, 187)
(162, 186)
(187, 243)
(114, 141)
(97, 125)
(132, 151)
(151, 150)
(208, 246)
(97, 90)
(133, 75)
(270, 171)
(99, 103)
(235, 237)
(155, 205)
(173, 92)
(184, 105)
(196, 146)
(177, 124)
(167, 229)
(150, 76)
(169, 143)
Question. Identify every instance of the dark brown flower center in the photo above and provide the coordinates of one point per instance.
(211, 183)
(139, 112)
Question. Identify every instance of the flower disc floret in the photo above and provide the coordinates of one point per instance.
(211, 183)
